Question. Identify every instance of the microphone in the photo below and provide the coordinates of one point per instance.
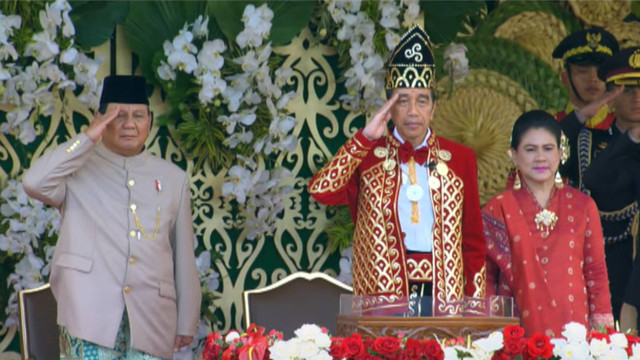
(431, 165)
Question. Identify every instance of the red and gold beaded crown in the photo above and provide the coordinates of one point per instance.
(411, 64)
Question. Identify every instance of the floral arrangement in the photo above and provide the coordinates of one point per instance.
(37, 68)
(313, 343)
(239, 106)
(253, 345)
(363, 32)
(29, 230)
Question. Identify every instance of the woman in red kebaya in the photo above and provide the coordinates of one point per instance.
(544, 240)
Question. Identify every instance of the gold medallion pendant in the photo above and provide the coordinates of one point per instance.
(545, 221)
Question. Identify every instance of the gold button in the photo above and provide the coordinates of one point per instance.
(133, 207)
(132, 182)
(132, 233)
(127, 289)
(132, 260)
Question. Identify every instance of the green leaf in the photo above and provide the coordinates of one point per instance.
(95, 20)
(290, 17)
(150, 23)
(444, 19)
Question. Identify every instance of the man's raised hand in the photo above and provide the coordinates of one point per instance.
(378, 124)
(100, 122)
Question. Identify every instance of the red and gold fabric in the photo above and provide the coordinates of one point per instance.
(366, 176)
(556, 279)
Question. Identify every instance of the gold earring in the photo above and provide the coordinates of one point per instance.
(517, 185)
(558, 180)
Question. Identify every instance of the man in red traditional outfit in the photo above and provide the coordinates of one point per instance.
(413, 198)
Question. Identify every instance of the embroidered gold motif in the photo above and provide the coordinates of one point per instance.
(479, 282)
(434, 183)
(419, 270)
(447, 244)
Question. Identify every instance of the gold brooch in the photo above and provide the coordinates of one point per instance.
(545, 221)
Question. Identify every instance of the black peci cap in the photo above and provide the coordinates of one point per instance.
(124, 89)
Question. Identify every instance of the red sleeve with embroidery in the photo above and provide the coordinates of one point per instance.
(337, 182)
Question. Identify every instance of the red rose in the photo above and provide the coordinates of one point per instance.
(513, 332)
(412, 349)
(500, 355)
(337, 350)
(538, 346)
(212, 347)
(386, 346)
(353, 346)
(432, 350)
(515, 347)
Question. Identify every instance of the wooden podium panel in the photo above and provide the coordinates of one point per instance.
(421, 327)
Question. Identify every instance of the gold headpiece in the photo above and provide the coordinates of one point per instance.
(411, 64)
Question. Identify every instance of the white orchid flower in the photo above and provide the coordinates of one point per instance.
(68, 29)
(210, 56)
(7, 24)
(8, 51)
(42, 48)
(411, 13)
(391, 39)
(50, 19)
(389, 15)
(165, 72)
(183, 42)
(201, 27)
(69, 56)
(183, 61)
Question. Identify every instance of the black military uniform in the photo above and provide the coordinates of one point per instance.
(613, 179)
(590, 47)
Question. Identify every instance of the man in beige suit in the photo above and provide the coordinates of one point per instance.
(124, 272)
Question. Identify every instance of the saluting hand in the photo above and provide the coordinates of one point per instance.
(100, 122)
(592, 109)
(378, 124)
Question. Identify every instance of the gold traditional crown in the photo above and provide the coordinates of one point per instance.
(411, 64)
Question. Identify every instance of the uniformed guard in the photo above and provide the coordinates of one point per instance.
(613, 177)
(587, 117)
(123, 273)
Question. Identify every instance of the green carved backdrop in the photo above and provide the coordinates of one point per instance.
(510, 72)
